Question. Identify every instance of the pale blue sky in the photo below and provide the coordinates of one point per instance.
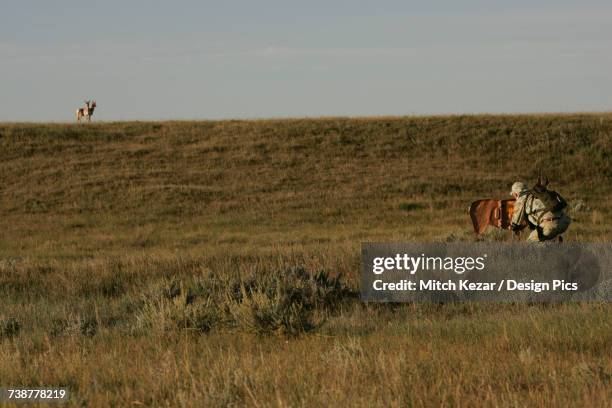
(246, 59)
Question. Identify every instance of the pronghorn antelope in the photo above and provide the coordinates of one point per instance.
(86, 111)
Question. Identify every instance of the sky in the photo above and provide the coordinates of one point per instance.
(157, 60)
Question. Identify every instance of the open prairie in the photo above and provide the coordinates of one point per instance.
(217, 262)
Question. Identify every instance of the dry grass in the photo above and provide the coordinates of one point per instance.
(195, 263)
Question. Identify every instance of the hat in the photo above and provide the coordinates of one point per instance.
(518, 187)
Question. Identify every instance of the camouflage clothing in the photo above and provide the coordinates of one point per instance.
(548, 225)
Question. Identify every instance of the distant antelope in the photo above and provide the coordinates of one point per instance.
(86, 111)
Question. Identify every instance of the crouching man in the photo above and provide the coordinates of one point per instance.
(543, 209)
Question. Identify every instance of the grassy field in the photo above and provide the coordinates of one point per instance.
(217, 263)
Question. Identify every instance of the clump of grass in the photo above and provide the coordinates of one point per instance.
(495, 234)
(173, 309)
(346, 351)
(258, 312)
(283, 301)
(9, 327)
(84, 325)
(408, 207)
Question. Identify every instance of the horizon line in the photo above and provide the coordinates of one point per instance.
(319, 117)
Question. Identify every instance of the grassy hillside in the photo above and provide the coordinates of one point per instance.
(75, 191)
(134, 241)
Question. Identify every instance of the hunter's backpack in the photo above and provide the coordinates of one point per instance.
(552, 200)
